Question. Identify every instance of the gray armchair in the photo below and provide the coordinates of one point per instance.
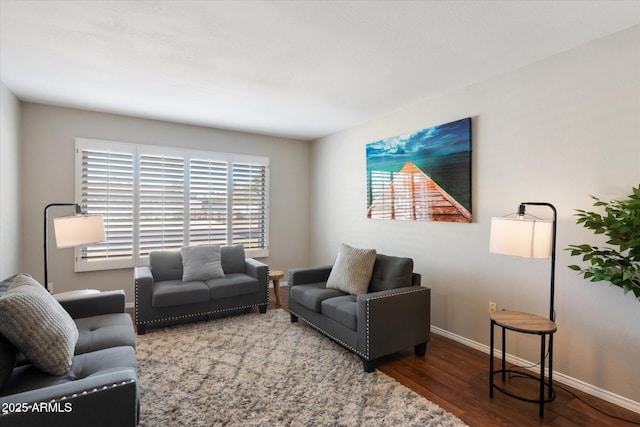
(393, 315)
(100, 388)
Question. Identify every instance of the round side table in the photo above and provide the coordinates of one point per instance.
(276, 275)
(525, 323)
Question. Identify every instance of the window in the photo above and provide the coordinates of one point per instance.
(208, 201)
(156, 198)
(161, 190)
(249, 204)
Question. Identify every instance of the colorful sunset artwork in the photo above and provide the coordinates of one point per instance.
(422, 176)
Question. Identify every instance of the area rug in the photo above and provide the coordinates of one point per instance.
(262, 370)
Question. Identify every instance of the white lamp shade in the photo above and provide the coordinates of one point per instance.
(521, 237)
(78, 230)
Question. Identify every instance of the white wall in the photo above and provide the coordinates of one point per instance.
(47, 149)
(557, 131)
(9, 190)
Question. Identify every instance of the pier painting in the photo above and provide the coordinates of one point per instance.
(423, 176)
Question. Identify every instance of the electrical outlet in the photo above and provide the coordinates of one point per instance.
(492, 307)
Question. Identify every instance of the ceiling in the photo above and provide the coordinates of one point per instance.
(299, 69)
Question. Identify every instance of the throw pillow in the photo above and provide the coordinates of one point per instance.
(352, 270)
(33, 321)
(4, 285)
(201, 263)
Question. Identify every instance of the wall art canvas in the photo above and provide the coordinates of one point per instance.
(422, 176)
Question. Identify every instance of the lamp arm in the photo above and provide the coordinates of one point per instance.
(46, 237)
(552, 312)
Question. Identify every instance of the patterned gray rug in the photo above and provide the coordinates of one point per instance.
(261, 370)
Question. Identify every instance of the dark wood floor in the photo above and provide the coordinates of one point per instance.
(455, 377)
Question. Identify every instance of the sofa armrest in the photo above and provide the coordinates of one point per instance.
(260, 271)
(392, 320)
(109, 399)
(255, 268)
(143, 284)
(94, 304)
(302, 276)
(143, 274)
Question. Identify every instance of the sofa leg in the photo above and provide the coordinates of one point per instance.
(294, 318)
(421, 349)
(368, 365)
(262, 308)
(142, 329)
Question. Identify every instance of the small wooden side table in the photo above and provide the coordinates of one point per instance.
(276, 275)
(525, 323)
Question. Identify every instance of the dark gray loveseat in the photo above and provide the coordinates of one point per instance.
(393, 315)
(100, 388)
(161, 296)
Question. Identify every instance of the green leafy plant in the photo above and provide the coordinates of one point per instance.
(618, 263)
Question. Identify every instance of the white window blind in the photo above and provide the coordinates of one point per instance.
(107, 188)
(208, 193)
(155, 198)
(249, 205)
(161, 200)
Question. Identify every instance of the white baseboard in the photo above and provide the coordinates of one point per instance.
(130, 305)
(557, 376)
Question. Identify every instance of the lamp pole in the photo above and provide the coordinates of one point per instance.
(552, 312)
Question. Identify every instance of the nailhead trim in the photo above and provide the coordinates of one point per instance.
(420, 289)
(267, 287)
(84, 393)
(186, 316)
(367, 328)
(342, 343)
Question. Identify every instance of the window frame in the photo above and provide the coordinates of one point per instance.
(187, 155)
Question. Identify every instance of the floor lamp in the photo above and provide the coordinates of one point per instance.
(527, 237)
(70, 231)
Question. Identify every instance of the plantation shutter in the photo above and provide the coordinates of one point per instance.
(106, 187)
(207, 202)
(249, 205)
(162, 203)
(159, 198)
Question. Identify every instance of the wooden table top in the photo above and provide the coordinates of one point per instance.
(276, 274)
(523, 322)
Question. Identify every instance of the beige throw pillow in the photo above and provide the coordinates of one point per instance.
(201, 262)
(33, 321)
(352, 270)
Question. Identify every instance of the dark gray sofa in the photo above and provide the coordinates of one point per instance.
(100, 388)
(162, 297)
(393, 315)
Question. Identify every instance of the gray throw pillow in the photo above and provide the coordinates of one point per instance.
(201, 263)
(33, 321)
(352, 270)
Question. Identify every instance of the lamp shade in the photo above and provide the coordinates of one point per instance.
(78, 230)
(521, 237)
